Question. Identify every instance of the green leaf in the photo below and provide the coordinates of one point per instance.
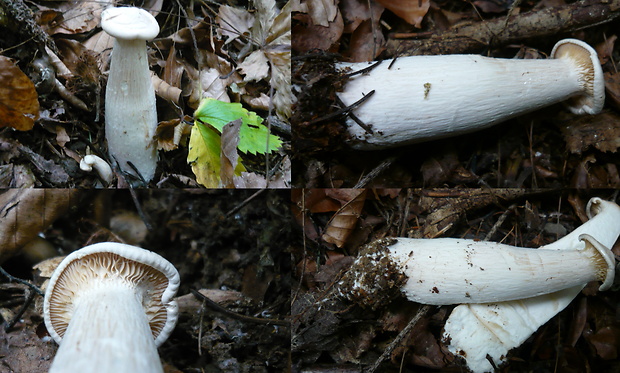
(253, 134)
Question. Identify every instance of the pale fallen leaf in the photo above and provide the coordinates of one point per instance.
(412, 11)
(27, 212)
(322, 12)
(342, 223)
(255, 67)
(233, 22)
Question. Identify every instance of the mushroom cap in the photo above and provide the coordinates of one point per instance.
(587, 65)
(129, 23)
(156, 280)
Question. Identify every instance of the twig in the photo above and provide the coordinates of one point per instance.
(21, 311)
(217, 308)
(499, 222)
(20, 281)
(376, 172)
(244, 202)
(403, 333)
(501, 31)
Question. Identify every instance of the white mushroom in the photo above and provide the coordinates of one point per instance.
(530, 286)
(479, 332)
(421, 98)
(109, 306)
(130, 112)
(90, 162)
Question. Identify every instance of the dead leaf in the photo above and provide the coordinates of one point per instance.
(612, 89)
(341, 225)
(606, 341)
(366, 43)
(233, 22)
(309, 37)
(601, 131)
(255, 66)
(605, 49)
(27, 212)
(77, 17)
(229, 155)
(19, 101)
(412, 11)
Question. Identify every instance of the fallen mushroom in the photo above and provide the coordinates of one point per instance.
(445, 271)
(483, 332)
(421, 98)
(452, 271)
(90, 162)
(130, 111)
(109, 306)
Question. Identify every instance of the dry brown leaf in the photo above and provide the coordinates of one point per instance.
(366, 43)
(601, 131)
(77, 17)
(169, 133)
(27, 212)
(309, 37)
(62, 138)
(165, 90)
(174, 69)
(341, 225)
(322, 12)
(255, 66)
(612, 89)
(412, 11)
(233, 22)
(101, 43)
(228, 152)
(605, 49)
(19, 101)
(354, 12)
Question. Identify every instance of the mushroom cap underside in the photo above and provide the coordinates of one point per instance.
(129, 23)
(153, 277)
(585, 60)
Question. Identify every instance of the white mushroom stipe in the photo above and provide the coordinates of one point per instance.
(421, 98)
(478, 332)
(109, 306)
(90, 162)
(130, 111)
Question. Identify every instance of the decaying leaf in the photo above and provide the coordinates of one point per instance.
(234, 22)
(75, 17)
(229, 157)
(344, 220)
(19, 101)
(411, 11)
(601, 131)
(27, 212)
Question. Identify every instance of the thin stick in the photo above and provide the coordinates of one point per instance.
(233, 315)
(20, 281)
(403, 333)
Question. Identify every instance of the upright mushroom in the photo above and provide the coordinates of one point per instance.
(109, 306)
(130, 112)
(420, 98)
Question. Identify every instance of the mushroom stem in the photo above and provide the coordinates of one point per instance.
(131, 115)
(421, 98)
(108, 326)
